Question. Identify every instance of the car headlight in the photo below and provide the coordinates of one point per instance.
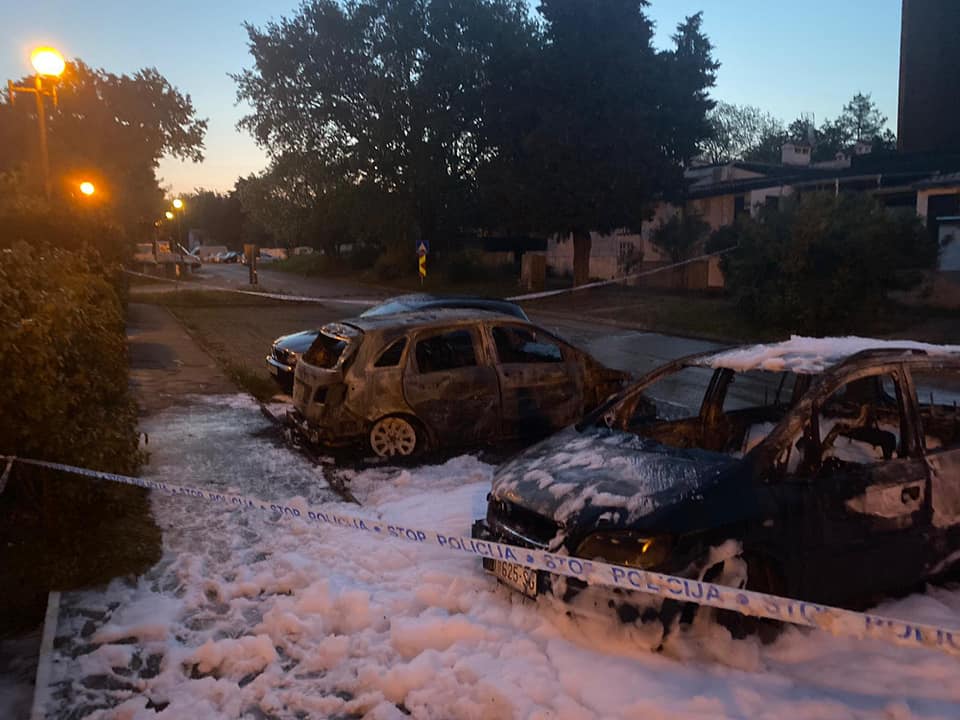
(626, 548)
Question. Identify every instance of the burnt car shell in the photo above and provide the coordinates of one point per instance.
(598, 479)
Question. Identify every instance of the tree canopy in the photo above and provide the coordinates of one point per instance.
(449, 114)
(108, 128)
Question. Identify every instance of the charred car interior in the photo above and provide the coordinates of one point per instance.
(444, 378)
(798, 468)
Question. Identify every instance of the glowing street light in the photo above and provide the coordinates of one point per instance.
(178, 203)
(87, 188)
(169, 215)
(47, 62)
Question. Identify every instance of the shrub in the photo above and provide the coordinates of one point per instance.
(64, 397)
(824, 263)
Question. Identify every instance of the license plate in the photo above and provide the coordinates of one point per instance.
(274, 370)
(518, 577)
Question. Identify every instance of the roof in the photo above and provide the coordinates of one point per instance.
(424, 319)
(944, 180)
(882, 169)
(810, 356)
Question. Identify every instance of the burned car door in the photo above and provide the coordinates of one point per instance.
(856, 490)
(541, 386)
(937, 392)
(452, 388)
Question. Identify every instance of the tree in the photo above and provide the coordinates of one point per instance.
(601, 123)
(824, 263)
(738, 131)
(379, 101)
(680, 237)
(861, 119)
(110, 128)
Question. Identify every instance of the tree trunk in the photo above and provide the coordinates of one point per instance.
(581, 258)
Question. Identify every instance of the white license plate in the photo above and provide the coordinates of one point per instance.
(274, 370)
(518, 577)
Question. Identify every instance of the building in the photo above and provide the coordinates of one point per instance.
(928, 118)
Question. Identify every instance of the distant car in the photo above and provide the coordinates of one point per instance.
(437, 379)
(831, 466)
(286, 350)
(230, 257)
(266, 259)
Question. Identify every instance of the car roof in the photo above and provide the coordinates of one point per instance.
(811, 356)
(427, 318)
(422, 301)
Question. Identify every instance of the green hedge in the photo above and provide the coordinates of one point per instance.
(64, 396)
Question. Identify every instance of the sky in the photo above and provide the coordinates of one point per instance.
(786, 58)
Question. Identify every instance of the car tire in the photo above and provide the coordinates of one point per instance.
(764, 577)
(396, 436)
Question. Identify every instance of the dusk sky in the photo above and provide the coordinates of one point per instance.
(787, 58)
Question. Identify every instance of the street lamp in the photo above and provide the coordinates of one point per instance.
(169, 215)
(178, 205)
(49, 64)
(87, 188)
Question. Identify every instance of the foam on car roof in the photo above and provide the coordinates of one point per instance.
(808, 355)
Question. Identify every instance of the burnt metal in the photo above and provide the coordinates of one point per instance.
(831, 530)
(479, 403)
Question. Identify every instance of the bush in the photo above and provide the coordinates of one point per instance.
(64, 397)
(310, 265)
(393, 264)
(824, 263)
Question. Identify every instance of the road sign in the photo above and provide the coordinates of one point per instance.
(423, 266)
(423, 247)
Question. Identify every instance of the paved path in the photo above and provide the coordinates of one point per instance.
(165, 362)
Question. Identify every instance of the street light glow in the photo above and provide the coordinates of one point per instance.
(87, 188)
(169, 215)
(178, 203)
(47, 62)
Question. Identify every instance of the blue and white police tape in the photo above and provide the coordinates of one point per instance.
(614, 281)
(256, 293)
(747, 602)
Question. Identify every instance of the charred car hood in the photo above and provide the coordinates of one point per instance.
(298, 342)
(608, 477)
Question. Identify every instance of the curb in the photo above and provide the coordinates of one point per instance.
(44, 662)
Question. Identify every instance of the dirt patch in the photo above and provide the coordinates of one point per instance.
(237, 331)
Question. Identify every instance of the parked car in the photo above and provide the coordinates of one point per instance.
(833, 465)
(287, 349)
(443, 378)
(230, 257)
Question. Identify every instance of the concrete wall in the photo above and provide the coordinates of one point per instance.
(923, 198)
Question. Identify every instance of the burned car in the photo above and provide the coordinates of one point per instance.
(442, 378)
(287, 349)
(826, 470)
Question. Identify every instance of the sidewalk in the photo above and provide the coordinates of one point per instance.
(166, 364)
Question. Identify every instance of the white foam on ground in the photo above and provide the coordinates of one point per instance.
(265, 617)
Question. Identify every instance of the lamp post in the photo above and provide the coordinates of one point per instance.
(179, 208)
(87, 188)
(49, 64)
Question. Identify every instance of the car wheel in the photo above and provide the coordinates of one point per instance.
(395, 436)
(762, 576)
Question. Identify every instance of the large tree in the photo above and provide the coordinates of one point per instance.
(600, 124)
(381, 100)
(110, 128)
(738, 132)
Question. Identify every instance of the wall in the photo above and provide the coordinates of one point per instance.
(716, 211)
(923, 198)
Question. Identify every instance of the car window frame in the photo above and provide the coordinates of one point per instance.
(565, 350)
(930, 366)
(802, 415)
(386, 345)
(413, 364)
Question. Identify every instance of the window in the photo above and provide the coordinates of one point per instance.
(448, 351)
(325, 351)
(391, 356)
(938, 398)
(759, 389)
(521, 345)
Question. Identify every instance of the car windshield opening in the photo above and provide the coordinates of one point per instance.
(326, 351)
(711, 409)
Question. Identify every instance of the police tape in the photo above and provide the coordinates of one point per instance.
(513, 298)
(614, 281)
(256, 293)
(836, 621)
